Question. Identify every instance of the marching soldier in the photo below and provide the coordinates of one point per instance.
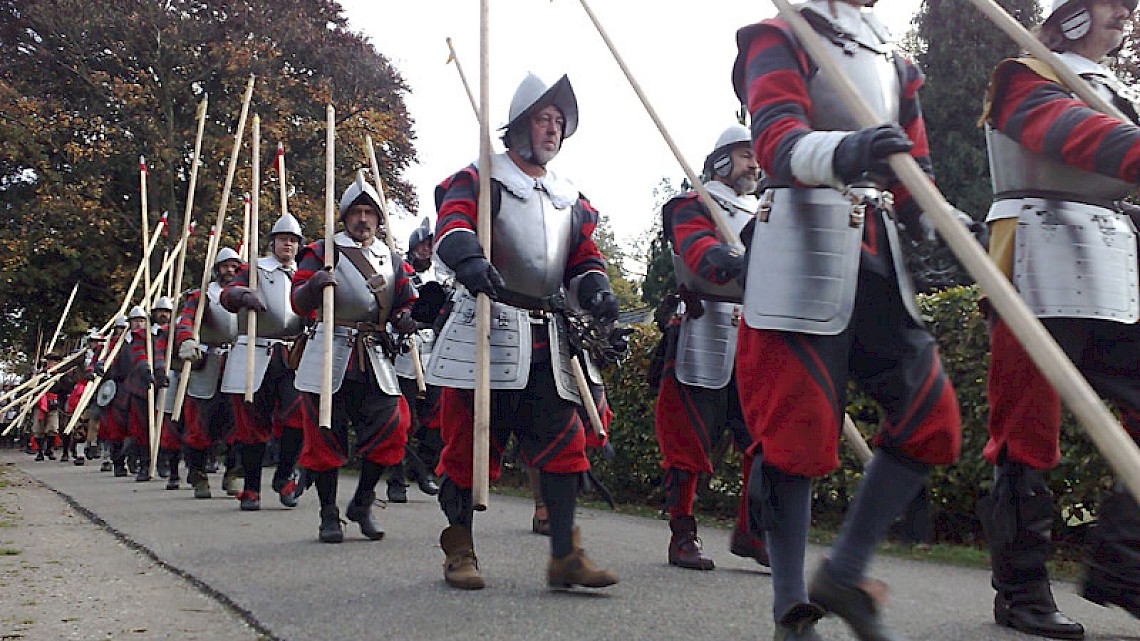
(111, 398)
(277, 409)
(135, 377)
(206, 417)
(420, 457)
(170, 440)
(1060, 231)
(373, 290)
(542, 244)
(827, 300)
(697, 401)
(45, 426)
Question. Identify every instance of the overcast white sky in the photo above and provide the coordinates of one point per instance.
(680, 51)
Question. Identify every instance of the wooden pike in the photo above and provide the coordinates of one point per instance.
(251, 318)
(212, 248)
(328, 315)
(481, 432)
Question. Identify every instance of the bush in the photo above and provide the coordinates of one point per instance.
(952, 316)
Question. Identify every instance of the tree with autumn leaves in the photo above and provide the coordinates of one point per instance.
(87, 87)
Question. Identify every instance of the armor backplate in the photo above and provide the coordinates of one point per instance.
(1076, 261)
(453, 359)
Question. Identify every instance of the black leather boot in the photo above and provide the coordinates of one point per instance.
(1017, 517)
(397, 486)
(1112, 570)
(330, 530)
(798, 623)
(685, 547)
(361, 513)
(854, 605)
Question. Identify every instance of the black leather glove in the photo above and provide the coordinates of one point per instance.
(479, 276)
(307, 297)
(161, 379)
(147, 377)
(726, 263)
(866, 150)
(248, 299)
(403, 322)
(595, 297)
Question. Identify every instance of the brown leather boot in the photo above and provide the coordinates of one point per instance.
(461, 569)
(685, 547)
(576, 569)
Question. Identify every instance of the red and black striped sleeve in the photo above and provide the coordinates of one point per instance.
(310, 260)
(1043, 117)
(911, 120)
(584, 255)
(457, 213)
(405, 294)
(184, 328)
(692, 233)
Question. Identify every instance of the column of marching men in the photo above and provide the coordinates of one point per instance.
(758, 347)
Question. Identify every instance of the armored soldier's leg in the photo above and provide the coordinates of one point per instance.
(196, 471)
(540, 522)
(173, 458)
(397, 486)
(285, 477)
(460, 566)
(66, 448)
(785, 500)
(569, 565)
(743, 542)
(1017, 517)
(251, 459)
(360, 509)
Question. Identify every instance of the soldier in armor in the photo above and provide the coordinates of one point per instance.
(277, 409)
(541, 244)
(697, 402)
(170, 438)
(134, 375)
(828, 300)
(111, 399)
(87, 426)
(45, 423)
(1060, 231)
(373, 290)
(424, 444)
(206, 417)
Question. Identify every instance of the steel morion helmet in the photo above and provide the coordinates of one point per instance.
(1072, 17)
(360, 193)
(136, 312)
(163, 303)
(533, 95)
(421, 233)
(287, 224)
(718, 163)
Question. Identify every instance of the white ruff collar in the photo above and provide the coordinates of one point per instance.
(728, 198)
(562, 192)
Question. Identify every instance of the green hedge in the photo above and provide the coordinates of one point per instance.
(634, 474)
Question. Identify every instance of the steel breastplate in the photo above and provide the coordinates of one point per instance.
(1015, 169)
(530, 243)
(274, 287)
(354, 301)
(873, 72)
(1075, 260)
(219, 326)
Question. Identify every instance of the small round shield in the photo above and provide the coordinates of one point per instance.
(106, 393)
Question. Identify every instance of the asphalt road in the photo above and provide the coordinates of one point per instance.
(270, 567)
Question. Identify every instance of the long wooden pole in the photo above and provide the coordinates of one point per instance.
(414, 351)
(481, 449)
(148, 338)
(251, 319)
(715, 212)
(1110, 438)
(243, 248)
(328, 315)
(187, 215)
(129, 296)
(462, 76)
(212, 247)
(62, 318)
(29, 401)
(1029, 43)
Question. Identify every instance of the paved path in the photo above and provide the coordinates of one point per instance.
(269, 566)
